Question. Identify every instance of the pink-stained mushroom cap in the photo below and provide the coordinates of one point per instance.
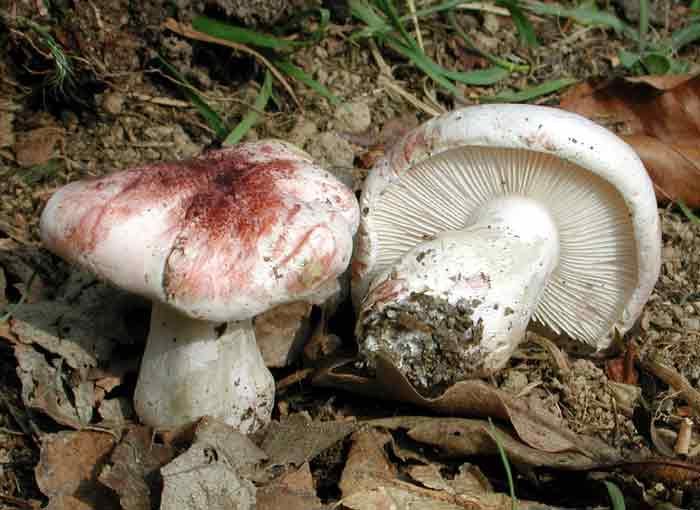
(213, 241)
(221, 237)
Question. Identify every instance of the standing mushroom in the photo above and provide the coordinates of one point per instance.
(212, 242)
(490, 216)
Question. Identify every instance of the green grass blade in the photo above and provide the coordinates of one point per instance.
(423, 63)
(443, 76)
(506, 465)
(586, 13)
(531, 92)
(250, 118)
(525, 29)
(377, 27)
(684, 36)
(391, 12)
(242, 35)
(302, 76)
(643, 23)
(449, 5)
(210, 116)
(688, 213)
(617, 500)
(481, 77)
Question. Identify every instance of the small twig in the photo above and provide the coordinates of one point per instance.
(685, 432)
(558, 358)
(414, 18)
(388, 83)
(294, 378)
(675, 380)
(383, 67)
(5, 430)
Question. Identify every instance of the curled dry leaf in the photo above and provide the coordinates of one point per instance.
(68, 469)
(660, 118)
(297, 439)
(211, 474)
(81, 336)
(292, 491)
(132, 471)
(282, 332)
(537, 428)
(48, 388)
(462, 437)
(371, 482)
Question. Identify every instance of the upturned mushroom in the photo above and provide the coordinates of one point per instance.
(212, 242)
(491, 218)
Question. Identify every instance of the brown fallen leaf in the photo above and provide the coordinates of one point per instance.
(463, 437)
(297, 439)
(371, 482)
(292, 491)
(536, 427)
(282, 332)
(660, 118)
(212, 473)
(48, 388)
(68, 469)
(27, 264)
(133, 469)
(69, 503)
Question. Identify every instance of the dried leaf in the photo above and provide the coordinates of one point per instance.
(469, 479)
(208, 475)
(297, 439)
(282, 332)
(83, 334)
(133, 469)
(48, 389)
(238, 451)
(538, 428)
(69, 503)
(116, 412)
(370, 482)
(462, 437)
(660, 118)
(293, 491)
(68, 467)
(25, 263)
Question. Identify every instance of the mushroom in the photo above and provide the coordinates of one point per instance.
(490, 217)
(212, 242)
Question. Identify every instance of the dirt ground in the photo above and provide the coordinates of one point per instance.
(119, 109)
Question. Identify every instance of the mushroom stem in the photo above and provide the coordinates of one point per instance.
(193, 368)
(457, 306)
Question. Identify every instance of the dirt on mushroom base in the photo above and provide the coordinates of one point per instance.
(432, 342)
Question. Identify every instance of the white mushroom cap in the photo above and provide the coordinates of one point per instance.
(222, 237)
(213, 240)
(592, 183)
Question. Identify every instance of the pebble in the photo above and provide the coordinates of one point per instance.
(353, 117)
